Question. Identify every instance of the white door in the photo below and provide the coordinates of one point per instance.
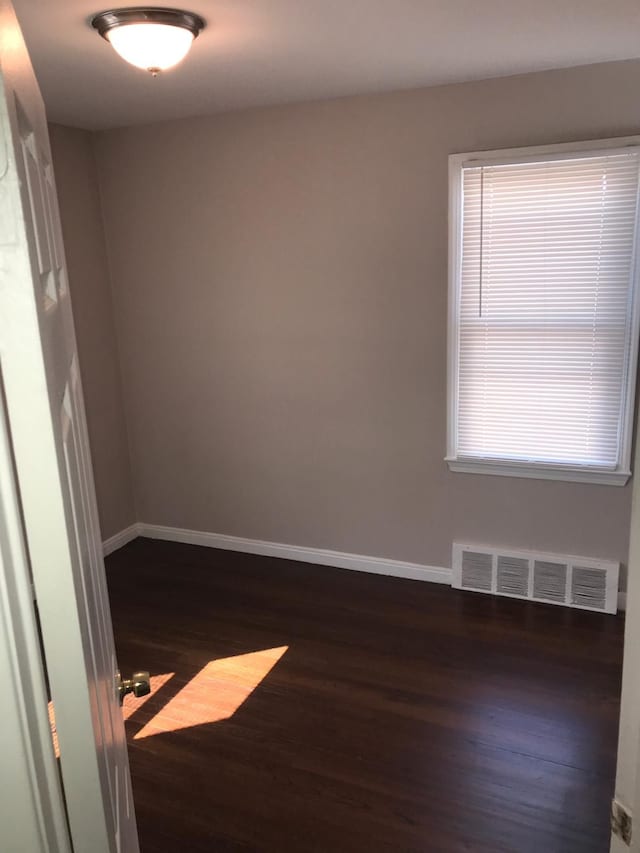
(41, 384)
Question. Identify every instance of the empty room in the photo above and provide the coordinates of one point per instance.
(319, 529)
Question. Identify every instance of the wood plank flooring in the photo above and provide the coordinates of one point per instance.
(309, 709)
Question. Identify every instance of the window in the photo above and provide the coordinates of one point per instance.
(543, 316)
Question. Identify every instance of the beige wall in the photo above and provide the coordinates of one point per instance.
(280, 287)
(83, 233)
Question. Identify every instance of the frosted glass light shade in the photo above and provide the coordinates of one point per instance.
(154, 47)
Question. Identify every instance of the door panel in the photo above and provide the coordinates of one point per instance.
(32, 812)
(47, 422)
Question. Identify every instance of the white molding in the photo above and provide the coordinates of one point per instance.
(119, 539)
(539, 472)
(300, 553)
(496, 156)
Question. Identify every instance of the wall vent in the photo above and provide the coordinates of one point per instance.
(549, 578)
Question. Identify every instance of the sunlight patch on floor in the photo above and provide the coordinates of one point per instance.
(215, 693)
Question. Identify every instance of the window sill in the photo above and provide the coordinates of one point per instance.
(538, 472)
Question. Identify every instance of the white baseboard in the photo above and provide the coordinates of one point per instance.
(320, 556)
(301, 553)
(119, 539)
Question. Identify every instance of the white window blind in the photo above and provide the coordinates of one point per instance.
(544, 320)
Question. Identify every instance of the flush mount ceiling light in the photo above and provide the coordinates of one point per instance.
(148, 37)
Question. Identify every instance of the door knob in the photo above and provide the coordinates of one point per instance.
(139, 684)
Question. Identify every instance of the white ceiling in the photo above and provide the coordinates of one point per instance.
(275, 51)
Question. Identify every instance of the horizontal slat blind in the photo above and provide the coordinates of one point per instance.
(544, 309)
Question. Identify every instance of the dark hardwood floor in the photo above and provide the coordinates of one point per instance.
(402, 716)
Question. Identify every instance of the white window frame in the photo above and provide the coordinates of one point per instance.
(536, 470)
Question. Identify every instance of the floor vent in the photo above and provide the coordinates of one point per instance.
(550, 578)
